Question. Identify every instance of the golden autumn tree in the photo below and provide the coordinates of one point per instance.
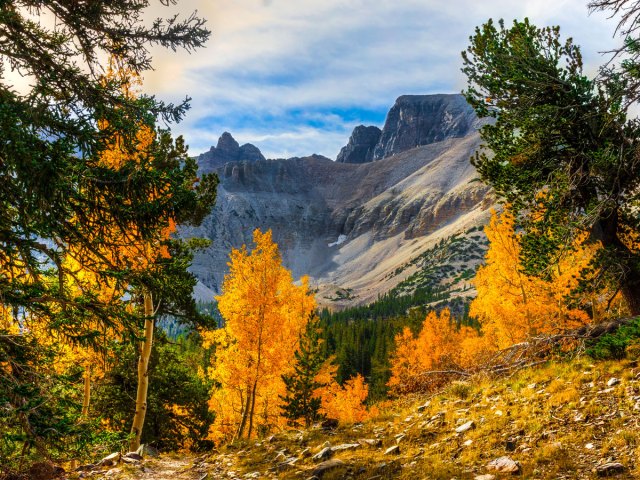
(345, 403)
(154, 262)
(264, 313)
(511, 305)
(441, 344)
(58, 195)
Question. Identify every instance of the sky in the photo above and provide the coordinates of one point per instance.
(294, 77)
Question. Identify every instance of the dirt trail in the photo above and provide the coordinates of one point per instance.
(160, 468)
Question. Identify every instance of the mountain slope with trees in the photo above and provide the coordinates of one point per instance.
(350, 225)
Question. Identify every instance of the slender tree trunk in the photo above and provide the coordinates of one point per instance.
(305, 409)
(87, 390)
(86, 399)
(255, 381)
(253, 405)
(245, 414)
(143, 374)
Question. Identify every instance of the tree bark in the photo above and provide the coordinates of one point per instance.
(86, 399)
(631, 292)
(607, 230)
(245, 414)
(143, 374)
(87, 390)
(253, 405)
(255, 381)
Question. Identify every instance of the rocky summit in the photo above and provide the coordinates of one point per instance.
(417, 120)
(227, 150)
(350, 224)
(362, 143)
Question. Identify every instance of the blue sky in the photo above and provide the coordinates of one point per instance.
(294, 77)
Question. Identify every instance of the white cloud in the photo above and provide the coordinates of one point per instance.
(269, 57)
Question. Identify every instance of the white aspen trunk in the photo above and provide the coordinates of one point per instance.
(86, 400)
(143, 374)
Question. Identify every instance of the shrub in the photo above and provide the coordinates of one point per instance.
(614, 345)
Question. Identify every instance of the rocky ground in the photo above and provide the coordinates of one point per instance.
(574, 419)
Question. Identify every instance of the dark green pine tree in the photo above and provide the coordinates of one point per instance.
(299, 402)
(59, 199)
(561, 143)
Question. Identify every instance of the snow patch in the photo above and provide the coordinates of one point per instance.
(340, 241)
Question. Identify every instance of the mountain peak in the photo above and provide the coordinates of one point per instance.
(413, 121)
(226, 143)
(361, 144)
(416, 120)
(228, 150)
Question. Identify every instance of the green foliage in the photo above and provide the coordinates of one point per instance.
(386, 306)
(362, 337)
(40, 407)
(59, 196)
(561, 145)
(614, 345)
(299, 401)
(178, 414)
(444, 265)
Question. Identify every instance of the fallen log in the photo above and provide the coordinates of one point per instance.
(534, 351)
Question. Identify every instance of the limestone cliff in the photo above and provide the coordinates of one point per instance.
(350, 224)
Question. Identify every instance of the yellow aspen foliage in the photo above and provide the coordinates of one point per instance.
(264, 313)
(512, 306)
(439, 345)
(7, 320)
(405, 360)
(346, 403)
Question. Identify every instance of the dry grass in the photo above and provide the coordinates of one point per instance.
(559, 420)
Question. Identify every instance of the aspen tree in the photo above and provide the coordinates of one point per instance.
(264, 314)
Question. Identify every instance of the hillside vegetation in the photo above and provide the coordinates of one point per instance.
(571, 418)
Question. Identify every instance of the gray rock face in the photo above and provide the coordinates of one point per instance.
(249, 153)
(347, 225)
(227, 150)
(417, 120)
(361, 144)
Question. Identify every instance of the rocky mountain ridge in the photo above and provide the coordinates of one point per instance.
(227, 150)
(361, 145)
(350, 223)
